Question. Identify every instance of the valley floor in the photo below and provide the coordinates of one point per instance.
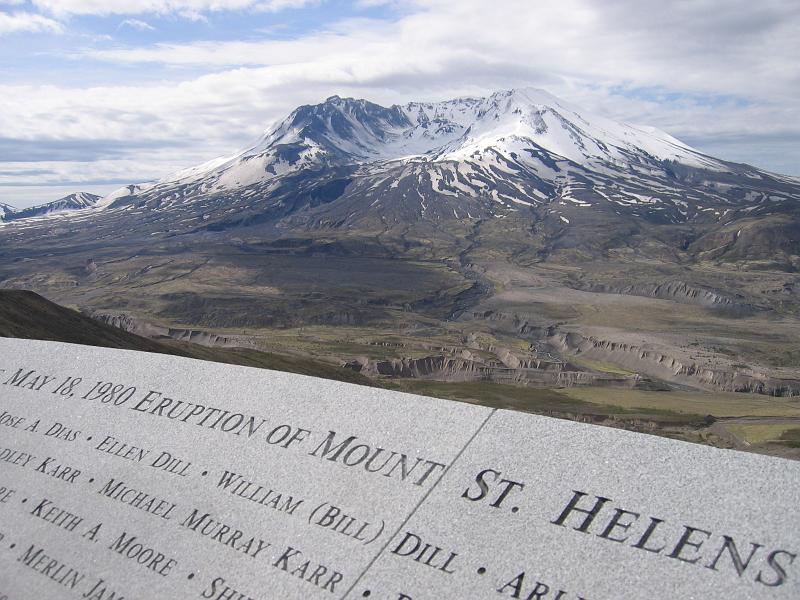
(438, 359)
(646, 339)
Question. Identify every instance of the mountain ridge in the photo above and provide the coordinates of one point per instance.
(71, 202)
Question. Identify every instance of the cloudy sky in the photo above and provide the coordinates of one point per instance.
(99, 93)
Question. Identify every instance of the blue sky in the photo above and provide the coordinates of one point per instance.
(98, 93)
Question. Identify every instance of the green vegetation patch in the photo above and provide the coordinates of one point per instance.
(717, 404)
(538, 401)
(787, 434)
(791, 437)
(597, 365)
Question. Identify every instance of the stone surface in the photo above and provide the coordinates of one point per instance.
(186, 479)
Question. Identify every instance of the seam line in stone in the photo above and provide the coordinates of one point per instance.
(420, 503)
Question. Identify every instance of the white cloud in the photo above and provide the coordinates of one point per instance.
(708, 46)
(137, 24)
(720, 74)
(24, 21)
(277, 5)
(373, 3)
(186, 8)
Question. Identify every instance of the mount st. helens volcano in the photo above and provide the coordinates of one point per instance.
(515, 216)
(523, 153)
(350, 163)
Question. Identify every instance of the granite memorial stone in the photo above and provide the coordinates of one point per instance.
(134, 476)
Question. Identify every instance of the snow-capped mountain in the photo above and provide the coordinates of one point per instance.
(422, 170)
(344, 160)
(517, 122)
(76, 201)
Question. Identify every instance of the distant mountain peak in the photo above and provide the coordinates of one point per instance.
(72, 202)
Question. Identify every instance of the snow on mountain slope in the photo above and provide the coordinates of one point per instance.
(351, 132)
(513, 119)
(74, 201)
(127, 190)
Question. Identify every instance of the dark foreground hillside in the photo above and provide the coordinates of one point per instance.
(27, 315)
